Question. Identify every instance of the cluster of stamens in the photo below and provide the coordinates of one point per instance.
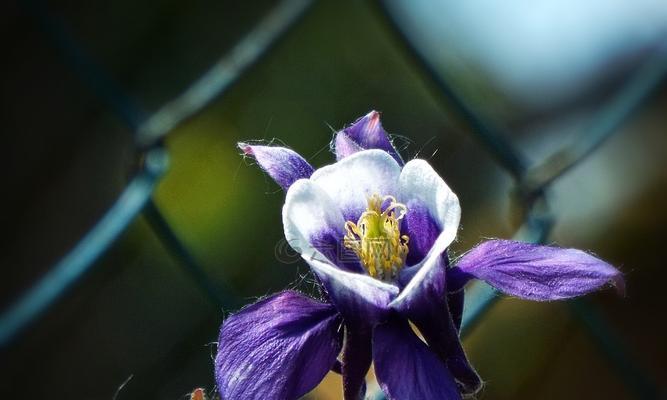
(376, 237)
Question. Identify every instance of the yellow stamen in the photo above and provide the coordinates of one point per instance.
(376, 238)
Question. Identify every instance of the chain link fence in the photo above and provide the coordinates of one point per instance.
(532, 182)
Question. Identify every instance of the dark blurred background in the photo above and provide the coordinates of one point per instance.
(543, 69)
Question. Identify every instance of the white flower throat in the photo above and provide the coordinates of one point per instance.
(376, 238)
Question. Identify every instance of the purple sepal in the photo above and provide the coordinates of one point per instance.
(357, 358)
(422, 230)
(364, 134)
(426, 306)
(279, 348)
(406, 368)
(536, 272)
(329, 241)
(285, 166)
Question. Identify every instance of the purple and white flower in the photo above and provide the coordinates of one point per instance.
(375, 232)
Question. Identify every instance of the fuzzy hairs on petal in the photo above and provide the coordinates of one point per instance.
(364, 134)
(279, 348)
(537, 272)
(285, 166)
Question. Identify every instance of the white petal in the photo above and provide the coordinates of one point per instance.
(352, 180)
(308, 211)
(419, 181)
(423, 280)
(358, 297)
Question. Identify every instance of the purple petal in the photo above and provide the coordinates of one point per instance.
(279, 348)
(330, 243)
(364, 134)
(357, 359)
(537, 272)
(362, 300)
(421, 229)
(424, 303)
(406, 368)
(285, 166)
(428, 284)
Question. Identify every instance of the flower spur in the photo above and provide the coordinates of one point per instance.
(388, 269)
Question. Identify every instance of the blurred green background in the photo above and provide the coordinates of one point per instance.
(137, 314)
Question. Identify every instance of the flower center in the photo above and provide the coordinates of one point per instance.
(376, 238)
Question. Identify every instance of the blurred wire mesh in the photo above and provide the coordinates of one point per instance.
(437, 79)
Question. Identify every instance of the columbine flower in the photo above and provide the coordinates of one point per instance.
(375, 232)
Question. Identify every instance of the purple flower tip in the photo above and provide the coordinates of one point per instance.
(285, 166)
(619, 283)
(245, 148)
(363, 134)
(371, 120)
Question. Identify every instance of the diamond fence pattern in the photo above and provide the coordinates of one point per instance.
(531, 181)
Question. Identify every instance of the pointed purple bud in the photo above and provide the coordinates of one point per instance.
(285, 166)
(364, 134)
